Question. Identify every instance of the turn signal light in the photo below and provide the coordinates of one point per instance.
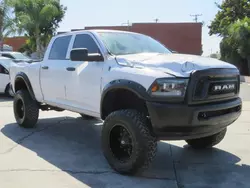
(155, 87)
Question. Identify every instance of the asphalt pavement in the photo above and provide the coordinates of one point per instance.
(245, 91)
(64, 150)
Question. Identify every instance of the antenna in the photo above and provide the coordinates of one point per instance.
(196, 17)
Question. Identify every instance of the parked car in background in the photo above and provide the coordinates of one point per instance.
(4, 76)
(16, 56)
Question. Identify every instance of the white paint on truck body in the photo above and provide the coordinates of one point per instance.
(81, 90)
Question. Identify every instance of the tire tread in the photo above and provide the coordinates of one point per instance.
(143, 129)
(31, 110)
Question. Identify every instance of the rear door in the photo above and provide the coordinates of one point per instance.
(53, 70)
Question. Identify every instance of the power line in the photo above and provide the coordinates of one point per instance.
(195, 16)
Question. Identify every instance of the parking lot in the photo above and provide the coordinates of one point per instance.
(65, 151)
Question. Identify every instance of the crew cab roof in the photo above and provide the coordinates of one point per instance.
(95, 31)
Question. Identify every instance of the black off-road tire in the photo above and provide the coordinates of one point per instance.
(87, 117)
(144, 142)
(207, 142)
(29, 112)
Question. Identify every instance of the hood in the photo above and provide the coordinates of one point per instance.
(180, 65)
(22, 60)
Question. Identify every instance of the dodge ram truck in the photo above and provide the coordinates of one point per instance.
(141, 90)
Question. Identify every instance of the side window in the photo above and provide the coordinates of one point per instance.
(59, 48)
(86, 41)
(7, 55)
(3, 70)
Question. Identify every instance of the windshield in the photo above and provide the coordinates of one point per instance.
(20, 56)
(131, 43)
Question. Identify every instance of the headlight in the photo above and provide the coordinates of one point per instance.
(169, 87)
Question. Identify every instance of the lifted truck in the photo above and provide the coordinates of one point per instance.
(142, 91)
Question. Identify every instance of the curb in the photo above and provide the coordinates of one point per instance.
(245, 79)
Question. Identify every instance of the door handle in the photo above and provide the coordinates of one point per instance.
(45, 67)
(71, 68)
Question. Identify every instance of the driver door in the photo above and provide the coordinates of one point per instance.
(83, 88)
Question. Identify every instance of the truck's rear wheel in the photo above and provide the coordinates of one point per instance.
(207, 142)
(127, 142)
(26, 109)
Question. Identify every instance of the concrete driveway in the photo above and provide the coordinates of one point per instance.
(64, 151)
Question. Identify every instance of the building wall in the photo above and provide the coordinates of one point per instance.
(180, 37)
(15, 42)
(123, 28)
(183, 38)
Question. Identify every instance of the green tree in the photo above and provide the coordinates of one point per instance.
(3, 9)
(39, 19)
(229, 12)
(235, 47)
(6, 22)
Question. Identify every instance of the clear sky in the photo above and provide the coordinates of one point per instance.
(83, 13)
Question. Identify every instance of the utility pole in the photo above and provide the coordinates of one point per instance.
(128, 24)
(156, 20)
(196, 17)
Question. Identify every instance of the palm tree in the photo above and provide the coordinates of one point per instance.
(7, 23)
(34, 16)
(4, 10)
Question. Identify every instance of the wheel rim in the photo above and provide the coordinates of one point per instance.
(121, 143)
(20, 109)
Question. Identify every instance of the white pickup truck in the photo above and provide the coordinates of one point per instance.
(142, 91)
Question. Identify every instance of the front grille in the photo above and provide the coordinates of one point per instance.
(213, 84)
(220, 88)
(200, 89)
(205, 87)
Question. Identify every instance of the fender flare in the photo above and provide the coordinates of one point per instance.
(26, 80)
(132, 86)
(6, 87)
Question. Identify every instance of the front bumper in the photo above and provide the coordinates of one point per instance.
(182, 121)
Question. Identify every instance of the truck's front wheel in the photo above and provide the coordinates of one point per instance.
(26, 109)
(207, 142)
(127, 141)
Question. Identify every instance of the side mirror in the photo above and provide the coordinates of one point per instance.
(81, 54)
